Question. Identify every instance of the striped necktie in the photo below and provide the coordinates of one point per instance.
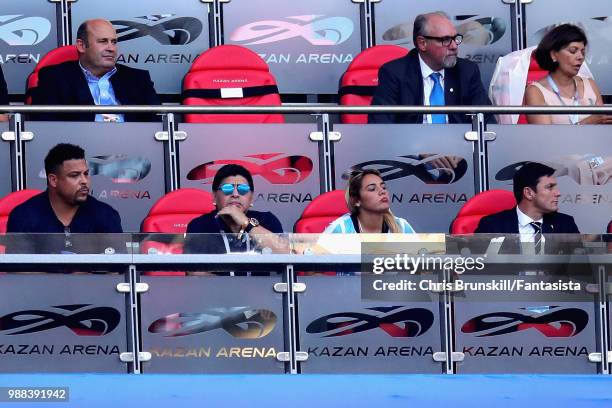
(537, 235)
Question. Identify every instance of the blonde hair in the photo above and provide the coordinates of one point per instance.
(352, 195)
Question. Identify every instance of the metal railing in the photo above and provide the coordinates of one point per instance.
(285, 290)
(308, 109)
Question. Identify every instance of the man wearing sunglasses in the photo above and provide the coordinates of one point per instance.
(431, 74)
(235, 226)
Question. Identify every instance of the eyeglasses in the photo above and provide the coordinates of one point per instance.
(228, 188)
(446, 41)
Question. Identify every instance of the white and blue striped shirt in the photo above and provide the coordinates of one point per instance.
(344, 225)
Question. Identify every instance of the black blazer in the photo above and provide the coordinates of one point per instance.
(3, 90)
(65, 84)
(506, 222)
(400, 82)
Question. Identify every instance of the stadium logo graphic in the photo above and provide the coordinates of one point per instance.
(429, 168)
(17, 30)
(555, 323)
(316, 29)
(476, 31)
(120, 168)
(599, 28)
(396, 321)
(82, 319)
(276, 168)
(240, 322)
(539, 34)
(585, 169)
(163, 28)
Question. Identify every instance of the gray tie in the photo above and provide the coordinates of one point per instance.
(537, 235)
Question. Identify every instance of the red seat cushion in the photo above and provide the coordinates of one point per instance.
(230, 66)
(363, 71)
(172, 213)
(534, 74)
(609, 239)
(321, 212)
(485, 203)
(53, 57)
(9, 202)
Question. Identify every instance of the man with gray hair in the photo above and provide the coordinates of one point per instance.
(431, 74)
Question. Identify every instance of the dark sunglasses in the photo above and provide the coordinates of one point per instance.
(228, 188)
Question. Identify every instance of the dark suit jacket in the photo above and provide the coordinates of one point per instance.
(65, 84)
(3, 90)
(506, 222)
(400, 82)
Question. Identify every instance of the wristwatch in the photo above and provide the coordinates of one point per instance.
(252, 224)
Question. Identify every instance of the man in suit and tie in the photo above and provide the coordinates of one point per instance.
(95, 79)
(431, 74)
(537, 194)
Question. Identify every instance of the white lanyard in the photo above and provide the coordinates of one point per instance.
(227, 245)
(574, 117)
(229, 251)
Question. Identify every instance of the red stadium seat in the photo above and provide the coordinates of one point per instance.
(609, 238)
(485, 203)
(53, 57)
(534, 74)
(321, 212)
(361, 78)
(8, 203)
(230, 75)
(317, 215)
(171, 214)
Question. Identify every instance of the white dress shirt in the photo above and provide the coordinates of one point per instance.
(528, 232)
(428, 84)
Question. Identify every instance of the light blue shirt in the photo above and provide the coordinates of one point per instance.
(102, 91)
(344, 225)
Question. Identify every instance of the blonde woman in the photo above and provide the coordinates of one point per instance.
(368, 201)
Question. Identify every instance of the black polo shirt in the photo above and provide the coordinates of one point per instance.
(37, 216)
(215, 244)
